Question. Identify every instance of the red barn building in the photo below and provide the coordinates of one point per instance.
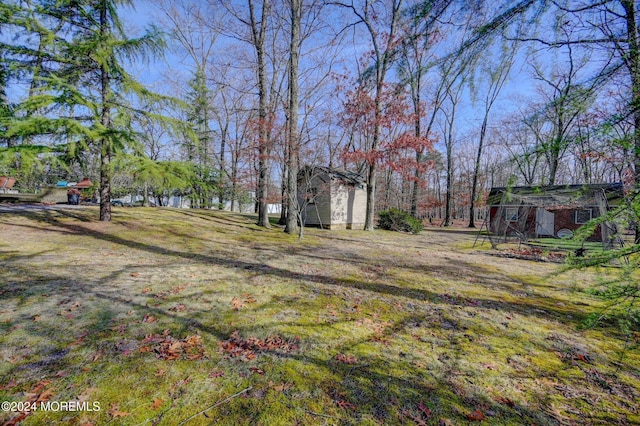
(551, 211)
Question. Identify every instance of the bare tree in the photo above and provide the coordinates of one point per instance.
(382, 23)
(496, 74)
(453, 97)
(293, 136)
(195, 32)
(520, 143)
(254, 28)
(565, 100)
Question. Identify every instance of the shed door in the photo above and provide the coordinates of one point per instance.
(544, 222)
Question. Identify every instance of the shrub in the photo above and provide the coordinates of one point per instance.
(398, 220)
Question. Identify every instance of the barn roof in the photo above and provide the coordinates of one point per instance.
(346, 176)
(556, 196)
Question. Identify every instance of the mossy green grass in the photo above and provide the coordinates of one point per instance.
(171, 317)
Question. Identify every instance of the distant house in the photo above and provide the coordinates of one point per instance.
(551, 211)
(332, 198)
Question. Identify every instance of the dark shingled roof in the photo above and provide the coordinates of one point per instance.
(349, 178)
(555, 195)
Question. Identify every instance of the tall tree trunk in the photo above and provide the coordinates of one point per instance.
(222, 180)
(145, 194)
(372, 176)
(634, 65)
(234, 182)
(476, 172)
(5, 110)
(415, 188)
(294, 136)
(417, 130)
(448, 199)
(106, 149)
(371, 197)
(284, 194)
(259, 34)
(449, 149)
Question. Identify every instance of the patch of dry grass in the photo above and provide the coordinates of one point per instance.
(166, 316)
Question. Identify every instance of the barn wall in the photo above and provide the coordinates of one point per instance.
(336, 206)
(565, 219)
(498, 225)
(318, 213)
(348, 207)
(357, 212)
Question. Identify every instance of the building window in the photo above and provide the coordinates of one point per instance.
(583, 216)
(511, 214)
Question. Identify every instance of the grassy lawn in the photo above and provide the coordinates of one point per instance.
(570, 245)
(167, 317)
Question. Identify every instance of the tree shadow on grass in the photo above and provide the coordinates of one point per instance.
(369, 386)
(367, 389)
(525, 308)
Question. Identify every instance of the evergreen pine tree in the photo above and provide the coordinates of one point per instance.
(86, 98)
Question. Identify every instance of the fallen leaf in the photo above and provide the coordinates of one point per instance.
(179, 384)
(17, 419)
(424, 409)
(39, 387)
(12, 383)
(476, 416)
(246, 349)
(119, 328)
(415, 417)
(45, 396)
(346, 405)
(97, 356)
(157, 403)
(169, 348)
(86, 394)
(78, 340)
(115, 412)
(178, 308)
(236, 304)
(505, 401)
(257, 370)
(248, 298)
(149, 318)
(346, 359)
(582, 358)
(216, 374)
